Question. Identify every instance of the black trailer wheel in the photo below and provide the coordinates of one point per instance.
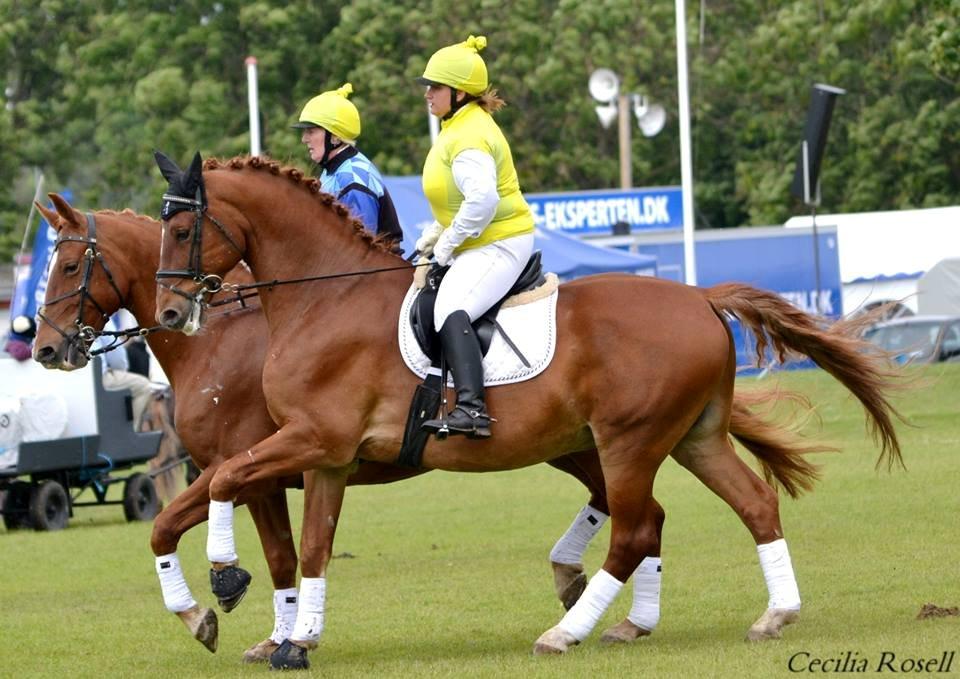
(140, 502)
(16, 506)
(49, 506)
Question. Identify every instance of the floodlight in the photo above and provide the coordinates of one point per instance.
(607, 113)
(604, 85)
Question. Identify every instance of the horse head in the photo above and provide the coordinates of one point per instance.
(81, 293)
(196, 264)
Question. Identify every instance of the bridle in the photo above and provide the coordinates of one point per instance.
(86, 334)
(209, 283)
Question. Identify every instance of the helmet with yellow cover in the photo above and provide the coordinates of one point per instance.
(459, 66)
(333, 112)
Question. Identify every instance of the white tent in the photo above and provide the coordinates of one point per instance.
(938, 290)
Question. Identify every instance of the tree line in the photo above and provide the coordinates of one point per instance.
(91, 88)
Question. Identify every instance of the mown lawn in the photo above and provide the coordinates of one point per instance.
(447, 575)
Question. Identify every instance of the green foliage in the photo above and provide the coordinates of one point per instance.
(93, 87)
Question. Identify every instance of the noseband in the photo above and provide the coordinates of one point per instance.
(85, 334)
(209, 283)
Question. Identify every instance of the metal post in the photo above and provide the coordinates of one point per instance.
(623, 126)
(253, 105)
(812, 201)
(686, 163)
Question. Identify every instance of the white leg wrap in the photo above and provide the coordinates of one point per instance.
(572, 544)
(593, 603)
(778, 572)
(284, 613)
(176, 594)
(645, 612)
(220, 545)
(309, 623)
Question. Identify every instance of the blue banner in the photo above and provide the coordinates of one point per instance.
(596, 212)
(31, 284)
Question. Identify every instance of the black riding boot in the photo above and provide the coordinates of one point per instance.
(461, 348)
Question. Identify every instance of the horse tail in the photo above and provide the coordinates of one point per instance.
(852, 361)
(778, 448)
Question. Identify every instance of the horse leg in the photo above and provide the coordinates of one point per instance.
(634, 536)
(715, 462)
(188, 509)
(272, 520)
(323, 491)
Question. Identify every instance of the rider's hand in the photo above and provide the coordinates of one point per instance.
(443, 250)
(429, 238)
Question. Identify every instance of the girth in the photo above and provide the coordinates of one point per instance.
(421, 311)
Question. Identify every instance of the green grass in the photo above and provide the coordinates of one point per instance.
(450, 575)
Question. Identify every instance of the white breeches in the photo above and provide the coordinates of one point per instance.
(479, 277)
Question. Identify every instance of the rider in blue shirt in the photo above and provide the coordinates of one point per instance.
(331, 125)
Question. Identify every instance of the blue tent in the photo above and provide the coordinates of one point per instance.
(564, 255)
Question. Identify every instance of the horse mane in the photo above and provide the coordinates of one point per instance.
(308, 183)
(128, 212)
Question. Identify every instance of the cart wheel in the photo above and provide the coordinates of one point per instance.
(49, 506)
(16, 506)
(140, 501)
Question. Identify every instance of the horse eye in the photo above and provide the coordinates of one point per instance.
(71, 268)
(181, 235)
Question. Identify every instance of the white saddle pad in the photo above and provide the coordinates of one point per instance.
(532, 327)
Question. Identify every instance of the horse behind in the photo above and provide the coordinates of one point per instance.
(644, 368)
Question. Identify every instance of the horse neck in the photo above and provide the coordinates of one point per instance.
(303, 240)
(136, 253)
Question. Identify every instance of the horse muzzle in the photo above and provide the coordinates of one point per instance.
(184, 316)
(68, 354)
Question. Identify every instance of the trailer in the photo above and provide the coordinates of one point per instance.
(43, 481)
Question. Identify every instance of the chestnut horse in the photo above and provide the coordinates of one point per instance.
(218, 372)
(643, 368)
(127, 245)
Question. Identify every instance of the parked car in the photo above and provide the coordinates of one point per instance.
(919, 339)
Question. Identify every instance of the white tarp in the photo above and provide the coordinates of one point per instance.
(938, 290)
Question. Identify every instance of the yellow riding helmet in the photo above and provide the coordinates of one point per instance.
(458, 66)
(333, 112)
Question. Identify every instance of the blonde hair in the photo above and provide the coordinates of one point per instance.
(490, 101)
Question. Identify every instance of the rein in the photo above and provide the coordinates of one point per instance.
(211, 283)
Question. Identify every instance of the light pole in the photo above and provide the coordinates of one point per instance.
(604, 87)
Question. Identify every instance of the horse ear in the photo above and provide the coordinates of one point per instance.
(193, 177)
(53, 219)
(65, 210)
(169, 169)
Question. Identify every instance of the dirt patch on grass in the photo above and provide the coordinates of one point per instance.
(934, 611)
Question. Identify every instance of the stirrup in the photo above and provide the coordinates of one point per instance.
(478, 426)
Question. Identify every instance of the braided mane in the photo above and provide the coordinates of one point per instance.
(308, 183)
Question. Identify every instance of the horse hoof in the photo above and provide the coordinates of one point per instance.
(569, 581)
(554, 641)
(202, 623)
(623, 633)
(229, 585)
(260, 653)
(771, 623)
(289, 656)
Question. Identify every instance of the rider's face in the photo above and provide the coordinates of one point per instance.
(438, 99)
(313, 138)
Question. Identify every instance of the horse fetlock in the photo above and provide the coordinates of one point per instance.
(229, 584)
(623, 633)
(569, 581)
(770, 625)
(203, 625)
(260, 652)
(289, 656)
(554, 641)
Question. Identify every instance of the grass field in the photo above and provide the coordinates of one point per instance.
(447, 575)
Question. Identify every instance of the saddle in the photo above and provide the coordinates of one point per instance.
(427, 397)
(421, 311)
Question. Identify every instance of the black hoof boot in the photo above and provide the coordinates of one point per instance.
(289, 656)
(229, 585)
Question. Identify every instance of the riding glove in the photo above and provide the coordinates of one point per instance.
(428, 238)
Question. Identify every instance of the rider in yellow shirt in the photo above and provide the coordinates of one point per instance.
(483, 227)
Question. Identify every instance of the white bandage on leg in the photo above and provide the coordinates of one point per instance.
(572, 544)
(593, 603)
(220, 545)
(309, 623)
(778, 572)
(645, 612)
(284, 613)
(176, 594)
